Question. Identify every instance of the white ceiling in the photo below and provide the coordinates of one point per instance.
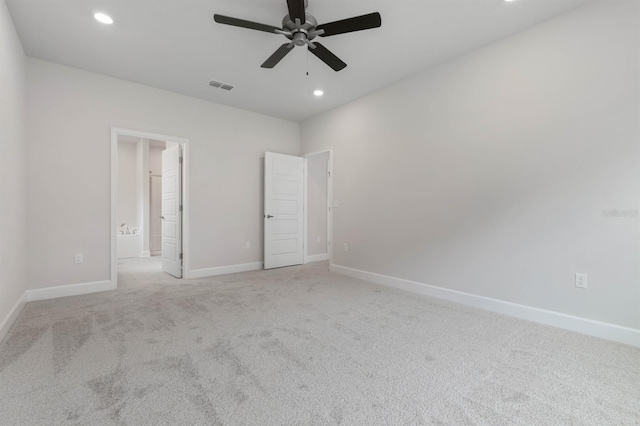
(175, 45)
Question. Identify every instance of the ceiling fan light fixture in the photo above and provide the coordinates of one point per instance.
(103, 18)
(318, 92)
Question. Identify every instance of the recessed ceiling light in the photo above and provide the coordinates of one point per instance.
(318, 92)
(509, 1)
(101, 17)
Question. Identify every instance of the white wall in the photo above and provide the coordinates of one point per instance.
(155, 213)
(155, 159)
(70, 113)
(155, 199)
(142, 169)
(317, 169)
(13, 200)
(489, 174)
(128, 185)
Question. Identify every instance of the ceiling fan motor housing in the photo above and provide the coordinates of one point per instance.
(300, 34)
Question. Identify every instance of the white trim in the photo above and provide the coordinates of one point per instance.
(68, 290)
(306, 258)
(617, 333)
(223, 270)
(13, 315)
(145, 254)
(156, 252)
(318, 257)
(115, 131)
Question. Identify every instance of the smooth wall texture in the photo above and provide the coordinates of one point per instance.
(128, 185)
(70, 114)
(155, 199)
(13, 199)
(317, 169)
(491, 174)
(155, 159)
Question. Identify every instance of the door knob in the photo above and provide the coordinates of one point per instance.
(269, 216)
(162, 217)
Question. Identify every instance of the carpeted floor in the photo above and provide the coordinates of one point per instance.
(300, 345)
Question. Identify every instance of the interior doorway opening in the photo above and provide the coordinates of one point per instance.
(149, 226)
(298, 217)
(317, 206)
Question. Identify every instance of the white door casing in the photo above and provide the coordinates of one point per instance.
(171, 211)
(283, 210)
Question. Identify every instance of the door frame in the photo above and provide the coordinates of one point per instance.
(117, 131)
(329, 207)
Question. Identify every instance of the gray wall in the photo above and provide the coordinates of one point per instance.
(317, 204)
(70, 113)
(489, 174)
(12, 168)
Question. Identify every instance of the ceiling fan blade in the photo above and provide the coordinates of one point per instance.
(327, 57)
(221, 19)
(358, 23)
(278, 55)
(296, 10)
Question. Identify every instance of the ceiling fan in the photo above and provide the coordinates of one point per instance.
(301, 28)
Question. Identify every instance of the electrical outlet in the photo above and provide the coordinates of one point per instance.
(247, 245)
(79, 258)
(346, 247)
(581, 280)
(317, 239)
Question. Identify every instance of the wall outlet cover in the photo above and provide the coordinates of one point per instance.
(581, 280)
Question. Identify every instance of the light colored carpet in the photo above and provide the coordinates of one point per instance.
(301, 345)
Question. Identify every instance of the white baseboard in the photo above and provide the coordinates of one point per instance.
(11, 318)
(146, 254)
(318, 258)
(156, 252)
(68, 290)
(616, 333)
(222, 270)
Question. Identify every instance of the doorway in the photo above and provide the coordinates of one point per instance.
(317, 206)
(149, 207)
(297, 213)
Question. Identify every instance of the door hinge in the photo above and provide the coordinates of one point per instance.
(180, 208)
(329, 174)
(181, 160)
(180, 256)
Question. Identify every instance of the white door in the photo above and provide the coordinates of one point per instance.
(172, 211)
(283, 210)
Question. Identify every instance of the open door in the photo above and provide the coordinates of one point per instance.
(283, 210)
(172, 211)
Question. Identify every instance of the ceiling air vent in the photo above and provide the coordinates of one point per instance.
(220, 85)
